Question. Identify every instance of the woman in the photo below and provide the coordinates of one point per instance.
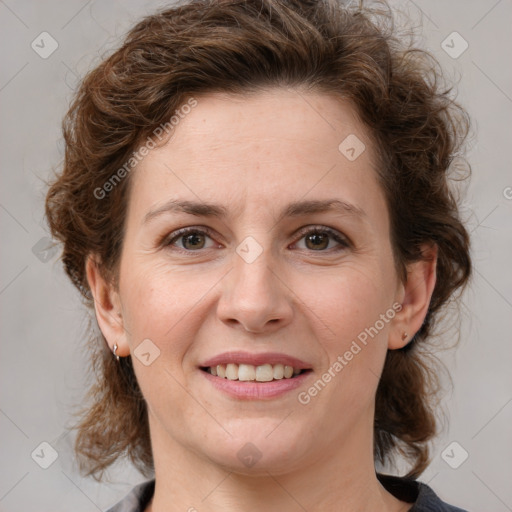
(255, 201)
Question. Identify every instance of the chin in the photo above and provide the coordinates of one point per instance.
(260, 450)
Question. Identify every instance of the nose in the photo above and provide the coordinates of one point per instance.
(255, 296)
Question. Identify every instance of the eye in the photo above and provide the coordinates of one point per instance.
(189, 239)
(318, 238)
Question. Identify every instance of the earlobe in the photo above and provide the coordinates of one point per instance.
(416, 294)
(107, 307)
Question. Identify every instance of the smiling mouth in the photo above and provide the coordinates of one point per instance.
(251, 373)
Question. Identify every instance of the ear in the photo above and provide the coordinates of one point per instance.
(107, 306)
(414, 296)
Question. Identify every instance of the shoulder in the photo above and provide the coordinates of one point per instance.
(137, 500)
(420, 495)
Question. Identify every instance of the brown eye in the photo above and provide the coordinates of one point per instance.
(188, 239)
(317, 241)
(319, 238)
(193, 241)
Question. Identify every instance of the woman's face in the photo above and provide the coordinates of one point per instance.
(252, 283)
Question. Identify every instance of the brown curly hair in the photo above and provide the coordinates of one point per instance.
(242, 46)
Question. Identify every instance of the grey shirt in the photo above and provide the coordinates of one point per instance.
(411, 491)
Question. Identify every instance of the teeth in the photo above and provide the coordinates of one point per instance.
(248, 372)
(232, 371)
(278, 371)
(264, 373)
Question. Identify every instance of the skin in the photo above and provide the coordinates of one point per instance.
(254, 155)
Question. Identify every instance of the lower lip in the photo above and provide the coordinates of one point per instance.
(256, 390)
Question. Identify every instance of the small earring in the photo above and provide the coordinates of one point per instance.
(115, 348)
(405, 336)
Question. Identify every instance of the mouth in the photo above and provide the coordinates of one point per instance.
(244, 375)
(251, 373)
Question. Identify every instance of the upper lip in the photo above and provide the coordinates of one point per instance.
(239, 357)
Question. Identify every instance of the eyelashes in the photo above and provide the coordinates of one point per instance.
(186, 232)
(317, 235)
(322, 231)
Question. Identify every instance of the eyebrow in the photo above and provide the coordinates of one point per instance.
(294, 209)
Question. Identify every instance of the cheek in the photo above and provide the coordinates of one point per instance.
(154, 301)
(160, 305)
(354, 319)
(166, 304)
(351, 301)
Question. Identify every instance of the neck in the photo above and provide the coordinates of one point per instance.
(342, 480)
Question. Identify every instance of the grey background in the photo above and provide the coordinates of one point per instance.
(43, 322)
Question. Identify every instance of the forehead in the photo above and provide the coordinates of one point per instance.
(265, 148)
(266, 120)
